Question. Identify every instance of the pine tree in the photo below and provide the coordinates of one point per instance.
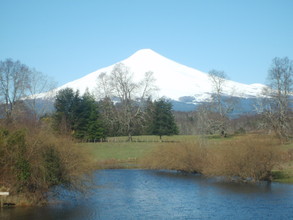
(95, 129)
(88, 124)
(78, 116)
(163, 119)
(65, 104)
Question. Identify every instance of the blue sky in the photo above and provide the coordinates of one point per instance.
(67, 39)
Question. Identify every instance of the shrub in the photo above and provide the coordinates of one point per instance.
(52, 164)
(176, 156)
(248, 158)
(33, 160)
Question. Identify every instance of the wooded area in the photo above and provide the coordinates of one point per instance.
(121, 106)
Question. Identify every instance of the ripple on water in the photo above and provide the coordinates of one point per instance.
(145, 194)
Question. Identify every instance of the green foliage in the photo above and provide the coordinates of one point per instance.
(78, 115)
(33, 160)
(17, 144)
(65, 104)
(88, 124)
(17, 140)
(95, 129)
(53, 167)
(23, 169)
(3, 132)
(88, 120)
(163, 122)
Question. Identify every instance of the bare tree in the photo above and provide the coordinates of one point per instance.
(218, 79)
(276, 107)
(130, 95)
(219, 107)
(39, 85)
(20, 87)
(14, 84)
(103, 88)
(109, 116)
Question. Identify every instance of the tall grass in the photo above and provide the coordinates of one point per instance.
(251, 158)
(176, 156)
(243, 159)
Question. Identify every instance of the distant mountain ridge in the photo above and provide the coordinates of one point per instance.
(182, 84)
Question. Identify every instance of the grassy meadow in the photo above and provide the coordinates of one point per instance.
(118, 148)
(118, 154)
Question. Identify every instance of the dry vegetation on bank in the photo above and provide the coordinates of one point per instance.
(250, 157)
(246, 158)
(33, 160)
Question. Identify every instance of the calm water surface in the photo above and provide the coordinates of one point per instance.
(145, 194)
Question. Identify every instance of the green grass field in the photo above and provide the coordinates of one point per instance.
(118, 153)
(118, 150)
(152, 138)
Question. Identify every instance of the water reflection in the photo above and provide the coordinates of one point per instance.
(144, 194)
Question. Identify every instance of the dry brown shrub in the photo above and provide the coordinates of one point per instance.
(176, 156)
(246, 159)
(33, 160)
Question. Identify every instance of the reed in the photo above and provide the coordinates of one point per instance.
(242, 158)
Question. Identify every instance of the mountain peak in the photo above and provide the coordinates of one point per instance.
(145, 52)
(145, 55)
(148, 60)
(174, 80)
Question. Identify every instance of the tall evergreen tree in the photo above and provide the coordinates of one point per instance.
(163, 119)
(78, 115)
(90, 124)
(65, 104)
(83, 110)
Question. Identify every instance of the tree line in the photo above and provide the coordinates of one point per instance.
(86, 119)
(125, 107)
(272, 111)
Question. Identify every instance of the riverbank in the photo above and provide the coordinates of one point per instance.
(117, 153)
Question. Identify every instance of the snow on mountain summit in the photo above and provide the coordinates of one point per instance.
(174, 80)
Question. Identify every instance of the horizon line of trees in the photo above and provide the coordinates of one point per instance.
(87, 119)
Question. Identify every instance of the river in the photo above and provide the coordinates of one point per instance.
(146, 194)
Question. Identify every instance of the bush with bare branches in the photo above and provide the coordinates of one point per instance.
(241, 159)
(34, 160)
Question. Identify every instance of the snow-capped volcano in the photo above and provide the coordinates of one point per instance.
(174, 80)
